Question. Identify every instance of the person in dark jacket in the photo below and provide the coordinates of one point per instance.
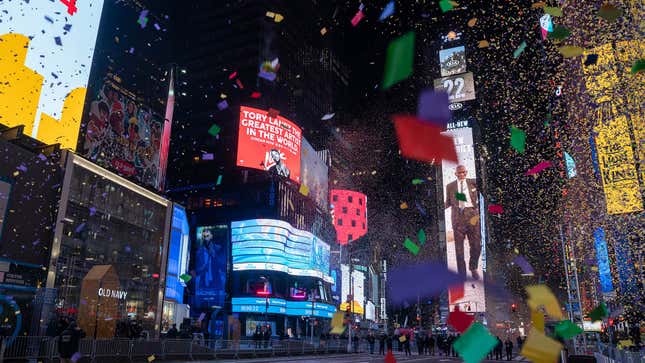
(68, 342)
(498, 349)
(370, 341)
(172, 332)
(389, 342)
(509, 349)
(381, 344)
(420, 343)
(406, 345)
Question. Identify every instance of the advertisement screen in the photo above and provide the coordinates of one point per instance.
(314, 174)
(46, 52)
(269, 143)
(177, 255)
(280, 306)
(459, 87)
(123, 135)
(210, 266)
(452, 61)
(602, 258)
(358, 285)
(268, 244)
(463, 225)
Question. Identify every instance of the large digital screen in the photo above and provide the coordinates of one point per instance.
(314, 174)
(452, 61)
(268, 244)
(123, 135)
(209, 269)
(460, 87)
(280, 306)
(178, 254)
(463, 225)
(46, 52)
(602, 258)
(357, 284)
(269, 143)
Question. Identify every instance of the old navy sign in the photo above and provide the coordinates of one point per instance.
(114, 294)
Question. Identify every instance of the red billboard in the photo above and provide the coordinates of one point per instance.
(270, 143)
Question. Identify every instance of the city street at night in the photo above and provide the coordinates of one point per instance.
(322, 181)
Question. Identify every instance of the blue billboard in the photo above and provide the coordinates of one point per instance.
(177, 255)
(602, 257)
(268, 244)
(209, 269)
(280, 306)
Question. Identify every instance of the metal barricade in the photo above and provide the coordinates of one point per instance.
(31, 347)
(105, 349)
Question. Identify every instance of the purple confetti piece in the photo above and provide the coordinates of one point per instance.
(42, 157)
(524, 265)
(92, 211)
(132, 50)
(420, 208)
(269, 76)
(157, 26)
(433, 107)
(22, 168)
(79, 228)
(35, 242)
(75, 357)
(222, 105)
(128, 249)
(404, 287)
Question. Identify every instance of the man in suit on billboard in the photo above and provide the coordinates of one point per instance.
(465, 219)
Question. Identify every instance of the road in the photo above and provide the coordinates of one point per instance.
(352, 358)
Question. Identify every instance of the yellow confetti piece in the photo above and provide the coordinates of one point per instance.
(278, 18)
(337, 323)
(304, 190)
(16, 173)
(222, 95)
(537, 318)
(404, 205)
(539, 4)
(472, 22)
(323, 31)
(539, 348)
(570, 51)
(473, 220)
(270, 14)
(151, 358)
(483, 44)
(542, 295)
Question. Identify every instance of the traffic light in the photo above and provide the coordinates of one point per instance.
(514, 307)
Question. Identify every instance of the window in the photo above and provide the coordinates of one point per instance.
(350, 237)
(345, 210)
(334, 198)
(360, 201)
(340, 222)
(358, 212)
(350, 199)
(363, 226)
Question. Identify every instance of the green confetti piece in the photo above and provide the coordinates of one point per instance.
(567, 329)
(422, 237)
(399, 60)
(553, 11)
(214, 130)
(599, 312)
(185, 277)
(219, 180)
(519, 50)
(638, 66)
(475, 343)
(446, 5)
(411, 246)
(559, 33)
(461, 196)
(518, 139)
(417, 181)
(610, 12)
(570, 51)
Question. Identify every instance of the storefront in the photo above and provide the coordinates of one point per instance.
(109, 253)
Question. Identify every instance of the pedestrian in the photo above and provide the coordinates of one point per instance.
(355, 342)
(370, 341)
(406, 344)
(256, 337)
(69, 341)
(430, 344)
(420, 343)
(509, 349)
(172, 332)
(267, 336)
(498, 349)
(381, 344)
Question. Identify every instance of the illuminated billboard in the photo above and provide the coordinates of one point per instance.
(349, 214)
(178, 255)
(602, 258)
(270, 143)
(314, 174)
(452, 61)
(268, 244)
(280, 306)
(460, 87)
(463, 223)
(123, 135)
(209, 269)
(46, 52)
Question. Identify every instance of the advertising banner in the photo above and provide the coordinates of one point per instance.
(46, 50)
(267, 244)
(123, 135)
(209, 270)
(177, 255)
(314, 174)
(602, 258)
(281, 306)
(463, 223)
(460, 87)
(269, 143)
(452, 61)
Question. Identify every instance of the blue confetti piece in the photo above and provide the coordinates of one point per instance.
(67, 27)
(49, 19)
(157, 26)
(58, 41)
(387, 11)
(80, 228)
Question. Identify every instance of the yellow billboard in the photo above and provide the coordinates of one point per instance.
(617, 93)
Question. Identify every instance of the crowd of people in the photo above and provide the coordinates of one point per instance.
(69, 336)
(262, 336)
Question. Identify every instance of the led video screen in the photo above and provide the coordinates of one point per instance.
(46, 52)
(463, 225)
(270, 143)
(267, 244)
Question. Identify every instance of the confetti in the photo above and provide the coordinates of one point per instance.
(304, 190)
(404, 205)
(387, 11)
(539, 167)
(495, 209)
(185, 277)
(410, 131)
(399, 60)
(421, 236)
(214, 130)
(357, 18)
(327, 116)
(567, 329)
(219, 180)
(599, 312)
(472, 22)
(559, 33)
(570, 51)
(483, 44)
(553, 11)
(434, 107)
(417, 181)
(540, 295)
(518, 139)
(323, 31)
(519, 50)
(609, 12)
(151, 358)
(256, 95)
(475, 343)
(638, 66)
(539, 348)
(460, 320)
